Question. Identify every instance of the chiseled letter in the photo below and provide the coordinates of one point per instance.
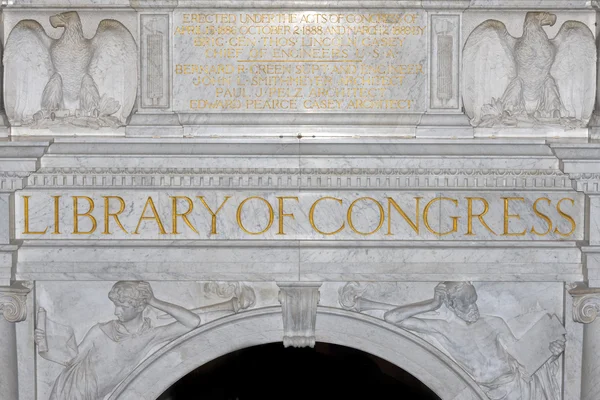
(565, 216)
(413, 225)
(542, 216)
(56, 215)
(282, 214)
(154, 217)
(508, 216)
(26, 230)
(239, 215)
(426, 217)
(182, 215)
(381, 216)
(88, 214)
(311, 216)
(479, 216)
(108, 214)
(213, 229)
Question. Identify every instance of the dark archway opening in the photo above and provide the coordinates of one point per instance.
(270, 371)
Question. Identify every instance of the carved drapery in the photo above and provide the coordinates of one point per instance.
(13, 302)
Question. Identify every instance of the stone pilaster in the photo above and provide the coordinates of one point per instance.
(13, 308)
(586, 306)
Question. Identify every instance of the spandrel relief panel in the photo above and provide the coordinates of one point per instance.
(332, 216)
(305, 61)
(110, 327)
(508, 337)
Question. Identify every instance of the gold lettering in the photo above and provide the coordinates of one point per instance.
(565, 216)
(184, 215)
(88, 214)
(154, 216)
(508, 216)
(108, 214)
(479, 216)
(239, 215)
(282, 214)
(426, 217)
(56, 216)
(413, 225)
(381, 216)
(311, 216)
(213, 229)
(542, 216)
(26, 230)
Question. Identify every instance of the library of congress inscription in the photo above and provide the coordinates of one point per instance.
(300, 61)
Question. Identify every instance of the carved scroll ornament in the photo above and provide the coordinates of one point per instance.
(13, 303)
(299, 302)
(531, 80)
(586, 304)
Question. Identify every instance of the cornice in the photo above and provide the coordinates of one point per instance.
(299, 178)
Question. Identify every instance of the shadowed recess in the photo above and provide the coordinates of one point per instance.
(271, 371)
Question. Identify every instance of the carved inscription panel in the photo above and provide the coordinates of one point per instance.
(305, 61)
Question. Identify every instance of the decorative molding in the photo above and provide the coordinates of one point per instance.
(299, 302)
(303, 177)
(13, 302)
(11, 181)
(586, 304)
(588, 183)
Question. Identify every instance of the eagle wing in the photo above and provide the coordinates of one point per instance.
(574, 69)
(28, 68)
(488, 66)
(114, 68)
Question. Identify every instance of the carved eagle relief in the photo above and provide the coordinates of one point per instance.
(74, 80)
(530, 80)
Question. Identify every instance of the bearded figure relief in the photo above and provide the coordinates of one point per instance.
(71, 80)
(484, 345)
(531, 80)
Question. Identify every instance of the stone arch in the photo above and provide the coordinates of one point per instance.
(181, 356)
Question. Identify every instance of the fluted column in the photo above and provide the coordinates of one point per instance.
(586, 306)
(13, 309)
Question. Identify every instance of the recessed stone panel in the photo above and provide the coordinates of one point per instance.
(300, 61)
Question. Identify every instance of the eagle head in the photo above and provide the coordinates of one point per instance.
(64, 19)
(540, 18)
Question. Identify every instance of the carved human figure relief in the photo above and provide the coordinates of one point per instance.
(506, 368)
(110, 350)
(71, 80)
(530, 80)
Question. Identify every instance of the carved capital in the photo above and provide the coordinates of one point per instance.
(13, 302)
(586, 304)
(299, 302)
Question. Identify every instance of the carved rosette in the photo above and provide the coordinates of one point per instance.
(299, 302)
(13, 302)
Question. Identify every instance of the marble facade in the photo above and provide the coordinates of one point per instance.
(416, 179)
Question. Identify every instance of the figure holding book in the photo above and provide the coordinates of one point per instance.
(505, 367)
(111, 350)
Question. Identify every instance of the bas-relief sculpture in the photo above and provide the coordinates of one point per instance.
(72, 80)
(531, 80)
(505, 367)
(111, 350)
